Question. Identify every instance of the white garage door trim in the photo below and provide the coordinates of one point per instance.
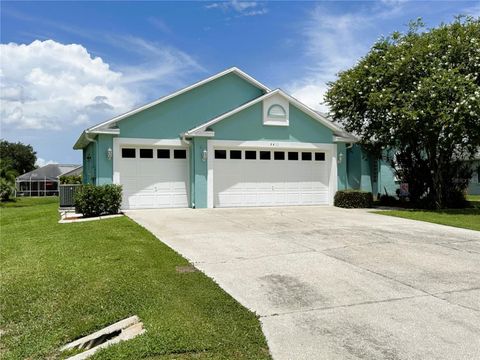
(330, 149)
(119, 143)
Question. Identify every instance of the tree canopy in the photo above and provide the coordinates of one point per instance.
(18, 157)
(418, 93)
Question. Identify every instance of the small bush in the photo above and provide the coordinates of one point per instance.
(71, 179)
(7, 189)
(91, 200)
(353, 199)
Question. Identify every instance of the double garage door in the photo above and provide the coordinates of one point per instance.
(270, 177)
(158, 177)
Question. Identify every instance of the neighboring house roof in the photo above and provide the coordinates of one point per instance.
(76, 171)
(338, 131)
(48, 172)
(103, 128)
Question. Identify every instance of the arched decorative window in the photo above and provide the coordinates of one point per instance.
(277, 111)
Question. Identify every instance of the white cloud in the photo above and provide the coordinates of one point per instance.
(49, 85)
(242, 8)
(42, 162)
(332, 43)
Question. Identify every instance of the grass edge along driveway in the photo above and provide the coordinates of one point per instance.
(468, 218)
(63, 281)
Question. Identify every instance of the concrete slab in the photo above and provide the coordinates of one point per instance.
(333, 283)
(294, 282)
(417, 328)
(431, 268)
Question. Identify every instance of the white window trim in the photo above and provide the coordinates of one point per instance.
(329, 149)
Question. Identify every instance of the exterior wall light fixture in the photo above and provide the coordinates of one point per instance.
(204, 155)
(340, 158)
(109, 153)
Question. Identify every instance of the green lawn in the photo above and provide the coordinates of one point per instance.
(465, 218)
(62, 281)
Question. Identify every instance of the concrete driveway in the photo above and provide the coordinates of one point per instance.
(330, 283)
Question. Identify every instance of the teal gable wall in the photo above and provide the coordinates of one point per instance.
(188, 110)
(248, 125)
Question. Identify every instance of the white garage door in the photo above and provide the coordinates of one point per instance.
(153, 177)
(270, 177)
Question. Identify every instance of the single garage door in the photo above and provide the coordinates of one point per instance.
(153, 177)
(270, 177)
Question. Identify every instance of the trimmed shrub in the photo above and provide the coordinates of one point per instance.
(71, 179)
(353, 199)
(91, 200)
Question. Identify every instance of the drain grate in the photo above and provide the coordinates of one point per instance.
(120, 331)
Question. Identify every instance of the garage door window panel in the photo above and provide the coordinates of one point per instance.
(319, 156)
(220, 154)
(265, 155)
(146, 153)
(279, 155)
(235, 154)
(163, 153)
(292, 155)
(179, 154)
(128, 153)
(306, 156)
(250, 155)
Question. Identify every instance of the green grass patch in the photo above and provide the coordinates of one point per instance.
(60, 282)
(30, 201)
(464, 218)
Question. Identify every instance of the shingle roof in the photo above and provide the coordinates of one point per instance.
(48, 172)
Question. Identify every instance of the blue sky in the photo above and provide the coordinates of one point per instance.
(66, 66)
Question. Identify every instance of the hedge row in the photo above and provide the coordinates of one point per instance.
(91, 200)
(353, 199)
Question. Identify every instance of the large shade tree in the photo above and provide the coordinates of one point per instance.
(417, 95)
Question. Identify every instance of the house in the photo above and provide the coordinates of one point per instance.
(474, 185)
(43, 181)
(227, 141)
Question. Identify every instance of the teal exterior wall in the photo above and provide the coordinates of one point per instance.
(361, 170)
(89, 164)
(354, 155)
(342, 167)
(198, 198)
(474, 185)
(248, 125)
(97, 169)
(386, 179)
(105, 166)
(190, 109)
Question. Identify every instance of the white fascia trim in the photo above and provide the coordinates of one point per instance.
(204, 126)
(331, 149)
(341, 139)
(209, 134)
(181, 91)
(104, 131)
(291, 100)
